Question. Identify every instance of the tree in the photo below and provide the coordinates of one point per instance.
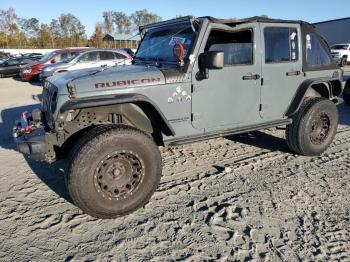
(45, 36)
(8, 24)
(108, 22)
(30, 29)
(122, 22)
(144, 17)
(54, 32)
(97, 37)
(71, 29)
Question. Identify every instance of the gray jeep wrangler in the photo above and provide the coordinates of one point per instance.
(191, 79)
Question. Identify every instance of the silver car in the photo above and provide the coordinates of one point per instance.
(90, 58)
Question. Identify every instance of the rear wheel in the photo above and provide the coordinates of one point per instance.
(313, 128)
(113, 171)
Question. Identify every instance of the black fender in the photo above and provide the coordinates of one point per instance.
(334, 90)
(97, 101)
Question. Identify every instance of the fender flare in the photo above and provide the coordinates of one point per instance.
(108, 100)
(305, 86)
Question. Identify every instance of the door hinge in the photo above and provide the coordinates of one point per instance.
(262, 81)
(192, 88)
(260, 107)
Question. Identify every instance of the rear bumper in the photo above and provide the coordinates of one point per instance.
(30, 139)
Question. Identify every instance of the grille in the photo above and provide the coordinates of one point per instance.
(49, 94)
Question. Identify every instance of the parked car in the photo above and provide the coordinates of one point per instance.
(90, 58)
(31, 72)
(11, 67)
(341, 53)
(192, 79)
(36, 56)
(4, 56)
(129, 51)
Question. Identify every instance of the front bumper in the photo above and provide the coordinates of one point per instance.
(30, 136)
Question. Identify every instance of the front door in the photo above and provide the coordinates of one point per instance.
(230, 97)
(281, 70)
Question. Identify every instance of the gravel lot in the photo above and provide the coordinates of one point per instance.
(239, 198)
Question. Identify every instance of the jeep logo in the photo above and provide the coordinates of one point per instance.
(122, 83)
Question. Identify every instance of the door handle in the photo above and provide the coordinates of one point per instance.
(293, 73)
(251, 77)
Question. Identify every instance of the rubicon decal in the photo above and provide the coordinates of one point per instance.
(132, 82)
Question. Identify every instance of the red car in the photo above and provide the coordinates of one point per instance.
(31, 71)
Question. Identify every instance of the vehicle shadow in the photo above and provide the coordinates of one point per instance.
(51, 174)
(261, 140)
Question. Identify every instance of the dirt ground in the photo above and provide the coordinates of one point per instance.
(236, 198)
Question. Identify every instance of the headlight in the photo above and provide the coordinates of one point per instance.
(27, 70)
(48, 68)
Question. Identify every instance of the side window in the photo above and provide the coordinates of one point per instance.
(13, 62)
(57, 58)
(237, 46)
(281, 44)
(63, 57)
(106, 55)
(119, 56)
(316, 55)
(89, 57)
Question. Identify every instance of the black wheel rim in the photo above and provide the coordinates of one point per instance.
(119, 175)
(320, 128)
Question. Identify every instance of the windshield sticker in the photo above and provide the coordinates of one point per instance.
(293, 45)
(174, 40)
(308, 42)
(292, 36)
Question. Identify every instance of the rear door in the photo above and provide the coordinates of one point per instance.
(281, 68)
(87, 60)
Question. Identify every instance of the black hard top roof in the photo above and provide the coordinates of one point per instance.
(230, 22)
(261, 19)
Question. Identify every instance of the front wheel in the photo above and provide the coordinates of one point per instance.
(343, 62)
(113, 171)
(313, 128)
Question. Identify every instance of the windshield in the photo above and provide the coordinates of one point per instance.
(46, 57)
(158, 43)
(340, 47)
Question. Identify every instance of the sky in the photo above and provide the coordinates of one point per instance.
(90, 11)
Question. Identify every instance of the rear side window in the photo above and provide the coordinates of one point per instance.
(63, 57)
(237, 46)
(120, 56)
(281, 44)
(89, 57)
(106, 55)
(316, 55)
(13, 62)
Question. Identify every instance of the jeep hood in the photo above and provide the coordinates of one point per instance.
(95, 80)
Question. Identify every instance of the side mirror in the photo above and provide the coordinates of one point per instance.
(213, 60)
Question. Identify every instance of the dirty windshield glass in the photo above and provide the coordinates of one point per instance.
(157, 44)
